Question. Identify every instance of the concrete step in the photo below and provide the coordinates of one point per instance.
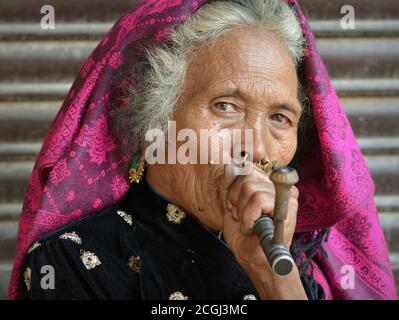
(13, 180)
(30, 61)
(64, 31)
(390, 225)
(364, 9)
(28, 151)
(53, 91)
(25, 121)
(8, 240)
(373, 116)
(28, 31)
(97, 10)
(101, 10)
(10, 211)
(387, 204)
(394, 258)
(30, 91)
(43, 60)
(379, 145)
(71, 10)
(5, 273)
(19, 151)
(28, 121)
(363, 28)
(360, 57)
(367, 87)
(385, 172)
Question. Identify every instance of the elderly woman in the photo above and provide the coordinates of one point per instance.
(185, 230)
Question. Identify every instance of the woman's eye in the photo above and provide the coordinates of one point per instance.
(225, 106)
(281, 118)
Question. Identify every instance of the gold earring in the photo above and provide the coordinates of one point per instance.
(136, 169)
(266, 165)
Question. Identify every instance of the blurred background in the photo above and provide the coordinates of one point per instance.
(38, 66)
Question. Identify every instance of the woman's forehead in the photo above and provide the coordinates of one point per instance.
(245, 58)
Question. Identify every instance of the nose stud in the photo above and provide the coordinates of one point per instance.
(244, 158)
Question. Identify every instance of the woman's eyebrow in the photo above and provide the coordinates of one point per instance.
(223, 89)
(294, 108)
(235, 91)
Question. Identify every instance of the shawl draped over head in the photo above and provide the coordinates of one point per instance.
(83, 164)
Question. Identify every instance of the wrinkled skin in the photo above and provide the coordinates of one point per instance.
(246, 80)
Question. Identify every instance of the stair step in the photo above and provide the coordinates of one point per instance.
(363, 28)
(360, 57)
(97, 30)
(5, 274)
(364, 9)
(385, 172)
(63, 31)
(367, 87)
(8, 240)
(43, 60)
(13, 180)
(373, 116)
(19, 151)
(28, 151)
(390, 225)
(29, 120)
(103, 10)
(53, 91)
(25, 121)
(71, 10)
(387, 203)
(34, 91)
(10, 211)
(379, 145)
(29, 61)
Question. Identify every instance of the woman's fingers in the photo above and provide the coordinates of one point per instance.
(294, 192)
(235, 193)
(249, 188)
(258, 204)
(249, 196)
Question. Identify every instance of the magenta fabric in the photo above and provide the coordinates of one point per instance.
(83, 165)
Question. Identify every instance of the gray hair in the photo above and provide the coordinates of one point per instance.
(157, 92)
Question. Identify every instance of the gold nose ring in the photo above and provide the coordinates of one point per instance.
(266, 165)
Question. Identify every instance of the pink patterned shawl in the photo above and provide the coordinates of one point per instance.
(82, 167)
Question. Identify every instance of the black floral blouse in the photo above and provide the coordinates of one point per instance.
(142, 248)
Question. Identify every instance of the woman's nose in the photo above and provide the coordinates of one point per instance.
(260, 149)
(253, 147)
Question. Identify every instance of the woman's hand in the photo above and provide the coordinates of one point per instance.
(247, 197)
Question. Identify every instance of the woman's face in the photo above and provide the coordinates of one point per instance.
(246, 80)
